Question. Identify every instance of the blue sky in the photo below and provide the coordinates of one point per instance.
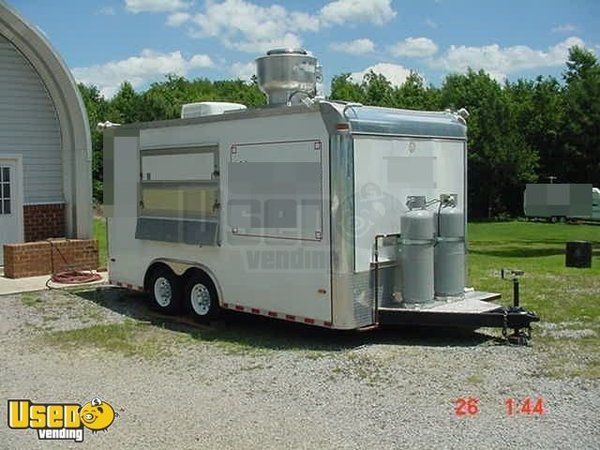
(105, 42)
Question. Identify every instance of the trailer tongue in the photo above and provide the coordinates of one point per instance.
(471, 312)
(474, 310)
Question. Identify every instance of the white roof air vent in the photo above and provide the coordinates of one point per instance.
(201, 109)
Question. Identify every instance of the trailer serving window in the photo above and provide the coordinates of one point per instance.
(179, 197)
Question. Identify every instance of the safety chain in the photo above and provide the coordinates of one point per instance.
(505, 324)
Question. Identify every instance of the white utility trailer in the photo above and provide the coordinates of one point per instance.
(561, 201)
(296, 210)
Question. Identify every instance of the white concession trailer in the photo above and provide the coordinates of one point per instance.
(561, 201)
(323, 212)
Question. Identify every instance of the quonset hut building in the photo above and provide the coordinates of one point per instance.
(45, 145)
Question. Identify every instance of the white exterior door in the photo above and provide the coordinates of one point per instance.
(11, 207)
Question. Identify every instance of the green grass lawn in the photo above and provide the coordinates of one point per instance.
(100, 235)
(566, 299)
(555, 292)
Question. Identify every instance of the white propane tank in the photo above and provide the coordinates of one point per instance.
(417, 241)
(450, 251)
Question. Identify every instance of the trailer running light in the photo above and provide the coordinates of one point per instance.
(342, 127)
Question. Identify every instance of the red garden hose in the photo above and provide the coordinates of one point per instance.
(69, 276)
(75, 277)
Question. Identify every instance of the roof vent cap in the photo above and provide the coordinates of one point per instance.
(288, 75)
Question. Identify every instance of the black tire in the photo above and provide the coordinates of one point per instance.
(553, 219)
(200, 298)
(163, 278)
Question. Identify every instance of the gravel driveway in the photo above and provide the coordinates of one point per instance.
(250, 382)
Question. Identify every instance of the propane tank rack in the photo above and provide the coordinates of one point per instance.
(474, 310)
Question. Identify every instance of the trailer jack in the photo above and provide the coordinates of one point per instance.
(518, 320)
(515, 317)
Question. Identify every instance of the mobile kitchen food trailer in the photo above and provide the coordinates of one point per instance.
(323, 212)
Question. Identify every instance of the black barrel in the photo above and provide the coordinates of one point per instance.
(579, 254)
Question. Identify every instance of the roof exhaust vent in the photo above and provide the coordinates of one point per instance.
(288, 75)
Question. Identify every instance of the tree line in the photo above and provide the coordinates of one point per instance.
(519, 132)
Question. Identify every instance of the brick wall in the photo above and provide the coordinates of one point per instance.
(39, 258)
(43, 221)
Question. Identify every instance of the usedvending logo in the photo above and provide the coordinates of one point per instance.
(60, 421)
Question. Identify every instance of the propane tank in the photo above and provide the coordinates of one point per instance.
(417, 241)
(450, 249)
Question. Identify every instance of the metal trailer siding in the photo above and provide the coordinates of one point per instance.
(349, 294)
(243, 267)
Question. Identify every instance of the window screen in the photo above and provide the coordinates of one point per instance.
(183, 200)
(179, 164)
(179, 195)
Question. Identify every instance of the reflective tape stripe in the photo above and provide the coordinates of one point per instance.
(288, 317)
(129, 286)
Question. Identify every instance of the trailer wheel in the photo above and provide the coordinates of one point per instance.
(165, 290)
(200, 297)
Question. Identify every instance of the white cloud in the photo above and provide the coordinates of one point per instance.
(566, 28)
(248, 27)
(430, 23)
(355, 47)
(177, 19)
(106, 11)
(342, 11)
(243, 71)
(501, 61)
(395, 73)
(137, 6)
(420, 47)
(252, 28)
(304, 21)
(139, 70)
(289, 40)
(198, 61)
